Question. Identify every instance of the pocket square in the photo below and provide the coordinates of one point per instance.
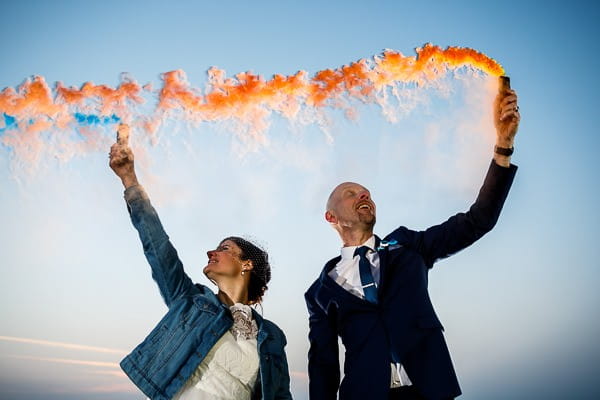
(388, 244)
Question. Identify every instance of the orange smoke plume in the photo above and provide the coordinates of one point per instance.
(240, 97)
(246, 99)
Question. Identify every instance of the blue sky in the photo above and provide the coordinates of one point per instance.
(518, 307)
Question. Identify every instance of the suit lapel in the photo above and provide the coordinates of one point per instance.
(383, 253)
(386, 259)
(333, 290)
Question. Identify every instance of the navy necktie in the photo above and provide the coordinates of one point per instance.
(366, 277)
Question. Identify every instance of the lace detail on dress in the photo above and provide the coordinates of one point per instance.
(244, 326)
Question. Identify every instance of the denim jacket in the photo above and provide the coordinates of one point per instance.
(196, 319)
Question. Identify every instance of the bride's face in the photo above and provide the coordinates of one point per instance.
(225, 261)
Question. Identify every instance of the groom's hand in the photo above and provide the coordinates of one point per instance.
(506, 120)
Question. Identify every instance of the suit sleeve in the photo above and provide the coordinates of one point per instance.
(167, 269)
(323, 356)
(463, 229)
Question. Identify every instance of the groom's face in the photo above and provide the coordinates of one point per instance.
(350, 206)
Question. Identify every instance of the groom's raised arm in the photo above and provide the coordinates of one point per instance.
(463, 229)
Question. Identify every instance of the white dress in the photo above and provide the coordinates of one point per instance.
(230, 369)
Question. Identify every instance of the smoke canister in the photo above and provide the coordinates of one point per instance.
(504, 83)
(123, 134)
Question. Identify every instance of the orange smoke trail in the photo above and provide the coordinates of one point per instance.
(249, 98)
(231, 97)
(246, 100)
(111, 101)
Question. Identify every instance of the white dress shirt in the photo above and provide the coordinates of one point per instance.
(347, 275)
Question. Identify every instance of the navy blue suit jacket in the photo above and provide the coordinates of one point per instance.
(404, 321)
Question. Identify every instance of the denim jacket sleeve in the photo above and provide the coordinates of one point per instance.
(274, 373)
(167, 269)
(282, 392)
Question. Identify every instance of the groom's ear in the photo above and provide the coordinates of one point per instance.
(329, 217)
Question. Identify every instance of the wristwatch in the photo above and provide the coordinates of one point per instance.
(504, 151)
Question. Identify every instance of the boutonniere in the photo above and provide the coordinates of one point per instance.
(389, 245)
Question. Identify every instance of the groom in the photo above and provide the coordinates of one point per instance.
(374, 295)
